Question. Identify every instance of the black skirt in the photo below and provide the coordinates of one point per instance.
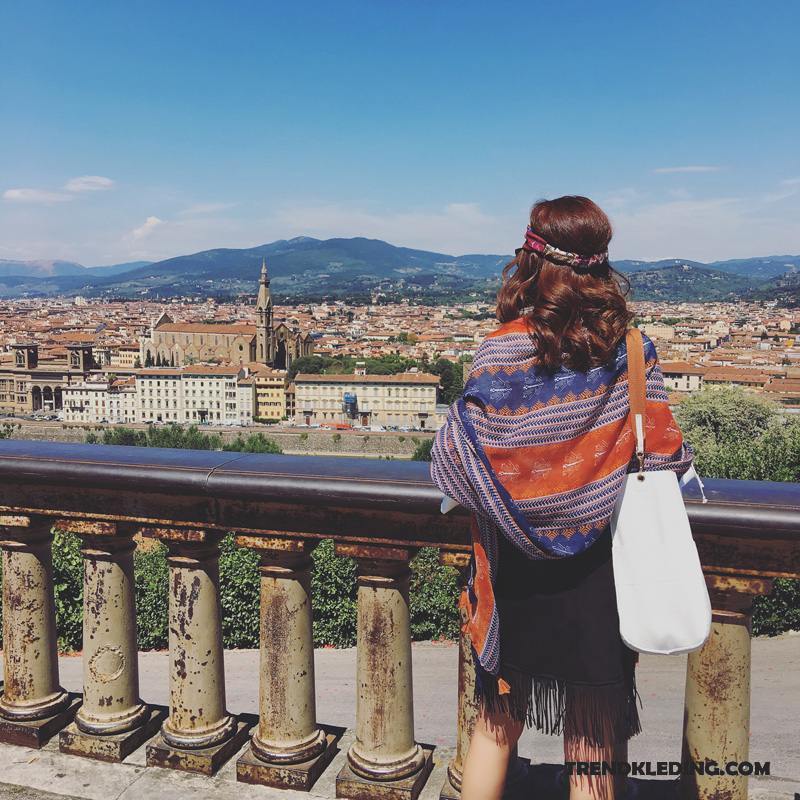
(560, 650)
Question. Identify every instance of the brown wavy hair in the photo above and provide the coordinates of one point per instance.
(576, 316)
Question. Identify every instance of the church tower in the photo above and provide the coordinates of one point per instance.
(265, 335)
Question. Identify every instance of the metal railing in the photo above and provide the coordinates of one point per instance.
(379, 513)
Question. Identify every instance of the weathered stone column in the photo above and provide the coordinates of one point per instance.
(384, 750)
(112, 720)
(33, 705)
(716, 724)
(288, 749)
(199, 734)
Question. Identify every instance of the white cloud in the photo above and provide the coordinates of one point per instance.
(791, 182)
(691, 168)
(84, 183)
(146, 228)
(35, 196)
(88, 183)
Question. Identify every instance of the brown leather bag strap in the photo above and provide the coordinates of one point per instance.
(636, 389)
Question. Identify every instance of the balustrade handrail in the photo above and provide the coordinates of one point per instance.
(746, 507)
(378, 512)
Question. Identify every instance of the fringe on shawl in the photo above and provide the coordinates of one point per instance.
(597, 716)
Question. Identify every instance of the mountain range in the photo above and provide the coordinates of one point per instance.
(358, 268)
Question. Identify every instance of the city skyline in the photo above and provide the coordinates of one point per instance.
(168, 132)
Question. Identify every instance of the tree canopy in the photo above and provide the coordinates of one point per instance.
(737, 434)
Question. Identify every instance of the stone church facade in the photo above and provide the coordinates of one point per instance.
(176, 344)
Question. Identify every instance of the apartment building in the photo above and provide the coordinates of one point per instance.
(200, 394)
(404, 400)
(99, 400)
(125, 356)
(658, 330)
(212, 395)
(270, 392)
(681, 376)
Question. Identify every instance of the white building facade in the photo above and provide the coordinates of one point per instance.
(204, 395)
(208, 395)
(101, 401)
(404, 400)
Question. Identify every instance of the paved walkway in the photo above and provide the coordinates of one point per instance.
(775, 724)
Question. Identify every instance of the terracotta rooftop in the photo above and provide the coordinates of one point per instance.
(735, 375)
(203, 369)
(402, 377)
(201, 327)
(684, 367)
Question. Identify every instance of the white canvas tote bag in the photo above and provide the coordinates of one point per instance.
(662, 596)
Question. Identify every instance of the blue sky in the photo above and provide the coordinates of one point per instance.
(150, 129)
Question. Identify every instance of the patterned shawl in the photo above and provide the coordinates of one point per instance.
(540, 458)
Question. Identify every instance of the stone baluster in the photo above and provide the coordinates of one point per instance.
(33, 706)
(384, 758)
(716, 724)
(288, 750)
(199, 734)
(112, 721)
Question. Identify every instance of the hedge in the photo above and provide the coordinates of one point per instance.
(434, 591)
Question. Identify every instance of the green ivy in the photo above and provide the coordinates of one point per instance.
(778, 611)
(333, 589)
(151, 574)
(239, 582)
(434, 597)
(68, 590)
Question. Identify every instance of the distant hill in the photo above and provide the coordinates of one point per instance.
(118, 269)
(39, 269)
(687, 281)
(51, 269)
(357, 268)
(309, 257)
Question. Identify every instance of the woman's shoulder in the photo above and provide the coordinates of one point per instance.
(515, 326)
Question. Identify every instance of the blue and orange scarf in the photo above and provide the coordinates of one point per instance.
(540, 459)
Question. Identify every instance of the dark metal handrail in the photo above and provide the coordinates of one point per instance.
(754, 508)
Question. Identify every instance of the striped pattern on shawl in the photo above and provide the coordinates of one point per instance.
(540, 458)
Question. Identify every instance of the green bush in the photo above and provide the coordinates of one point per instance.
(778, 611)
(184, 438)
(151, 574)
(254, 443)
(434, 597)
(239, 581)
(68, 590)
(333, 589)
(738, 434)
(422, 452)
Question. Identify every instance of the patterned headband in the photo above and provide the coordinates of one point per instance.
(535, 244)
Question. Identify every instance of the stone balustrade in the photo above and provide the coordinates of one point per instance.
(378, 513)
